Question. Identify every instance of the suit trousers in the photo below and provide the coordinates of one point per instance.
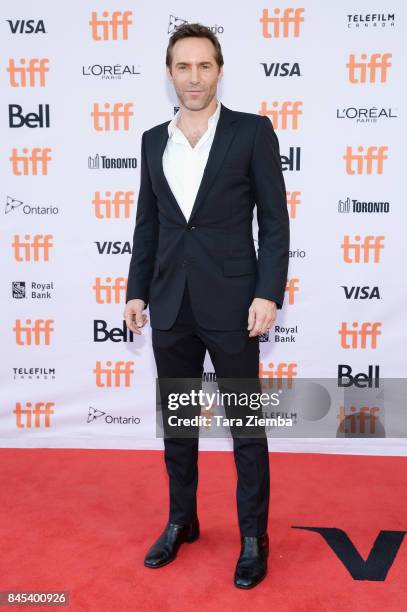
(179, 352)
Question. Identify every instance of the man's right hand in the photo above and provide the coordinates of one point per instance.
(134, 317)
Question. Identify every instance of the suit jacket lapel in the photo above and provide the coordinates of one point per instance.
(224, 133)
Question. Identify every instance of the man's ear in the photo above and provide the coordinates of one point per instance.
(169, 75)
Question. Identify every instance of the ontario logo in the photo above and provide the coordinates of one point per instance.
(94, 414)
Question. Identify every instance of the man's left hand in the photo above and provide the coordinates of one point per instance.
(262, 314)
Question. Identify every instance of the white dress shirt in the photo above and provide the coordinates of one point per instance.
(184, 165)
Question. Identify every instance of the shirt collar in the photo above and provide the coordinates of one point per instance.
(211, 121)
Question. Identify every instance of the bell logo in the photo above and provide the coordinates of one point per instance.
(112, 120)
(279, 118)
(33, 415)
(37, 333)
(116, 206)
(36, 250)
(27, 164)
(358, 336)
(285, 26)
(368, 247)
(117, 375)
(371, 69)
(111, 291)
(115, 27)
(370, 162)
(31, 75)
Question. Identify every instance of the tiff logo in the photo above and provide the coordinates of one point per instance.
(36, 250)
(286, 25)
(117, 375)
(110, 291)
(359, 335)
(31, 75)
(280, 117)
(369, 70)
(35, 414)
(368, 246)
(114, 27)
(113, 205)
(33, 333)
(368, 162)
(112, 120)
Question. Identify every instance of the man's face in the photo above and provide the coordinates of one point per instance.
(194, 72)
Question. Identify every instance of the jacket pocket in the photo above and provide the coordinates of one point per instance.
(238, 267)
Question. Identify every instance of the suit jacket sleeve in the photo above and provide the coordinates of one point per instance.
(272, 215)
(145, 236)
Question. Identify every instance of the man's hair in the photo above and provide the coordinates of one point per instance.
(187, 30)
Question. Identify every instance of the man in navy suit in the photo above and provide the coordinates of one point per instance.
(194, 263)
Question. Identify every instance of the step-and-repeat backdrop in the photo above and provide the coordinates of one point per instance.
(80, 82)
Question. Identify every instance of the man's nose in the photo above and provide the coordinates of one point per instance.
(194, 75)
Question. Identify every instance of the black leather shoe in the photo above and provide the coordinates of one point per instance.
(251, 566)
(166, 547)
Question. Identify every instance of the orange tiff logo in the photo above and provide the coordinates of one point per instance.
(356, 335)
(282, 370)
(30, 164)
(362, 249)
(27, 74)
(369, 69)
(33, 333)
(110, 291)
(356, 420)
(114, 27)
(116, 206)
(293, 200)
(117, 375)
(286, 25)
(279, 117)
(370, 162)
(112, 120)
(36, 248)
(292, 288)
(35, 414)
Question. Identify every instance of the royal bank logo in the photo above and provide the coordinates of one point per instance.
(18, 289)
(33, 290)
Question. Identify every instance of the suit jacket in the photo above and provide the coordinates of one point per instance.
(214, 249)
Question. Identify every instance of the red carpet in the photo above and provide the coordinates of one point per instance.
(82, 520)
